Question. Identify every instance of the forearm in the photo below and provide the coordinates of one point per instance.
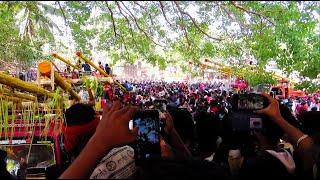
(177, 143)
(85, 163)
(294, 134)
(305, 146)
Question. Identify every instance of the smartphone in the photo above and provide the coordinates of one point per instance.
(255, 123)
(250, 102)
(242, 116)
(147, 144)
(160, 105)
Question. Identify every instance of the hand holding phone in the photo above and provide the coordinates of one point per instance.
(244, 106)
(147, 144)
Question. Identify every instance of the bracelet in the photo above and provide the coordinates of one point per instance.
(301, 139)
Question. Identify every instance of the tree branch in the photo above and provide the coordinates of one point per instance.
(145, 8)
(222, 7)
(185, 33)
(128, 22)
(251, 12)
(63, 14)
(195, 23)
(137, 24)
(112, 18)
(164, 14)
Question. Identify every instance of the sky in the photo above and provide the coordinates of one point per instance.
(66, 37)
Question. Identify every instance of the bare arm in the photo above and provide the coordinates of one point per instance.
(112, 131)
(85, 163)
(305, 146)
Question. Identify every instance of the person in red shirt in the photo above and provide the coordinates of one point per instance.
(301, 108)
(109, 92)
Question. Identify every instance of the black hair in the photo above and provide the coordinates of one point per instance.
(79, 114)
(310, 122)
(264, 166)
(186, 169)
(272, 131)
(183, 123)
(3, 155)
(206, 131)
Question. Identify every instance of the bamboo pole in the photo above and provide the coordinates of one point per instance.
(65, 86)
(226, 68)
(65, 61)
(19, 84)
(7, 92)
(14, 99)
(81, 56)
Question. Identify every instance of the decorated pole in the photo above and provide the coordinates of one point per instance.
(81, 56)
(65, 61)
(45, 69)
(19, 84)
(218, 66)
(9, 98)
(65, 86)
(7, 92)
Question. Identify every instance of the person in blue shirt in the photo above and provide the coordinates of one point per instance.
(128, 86)
(86, 67)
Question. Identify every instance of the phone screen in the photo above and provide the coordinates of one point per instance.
(250, 102)
(160, 105)
(147, 145)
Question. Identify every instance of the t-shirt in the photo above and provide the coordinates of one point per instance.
(107, 69)
(117, 164)
(101, 67)
(86, 67)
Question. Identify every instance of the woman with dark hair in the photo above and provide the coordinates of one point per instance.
(270, 162)
(4, 174)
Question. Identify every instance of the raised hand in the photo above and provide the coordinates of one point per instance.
(113, 129)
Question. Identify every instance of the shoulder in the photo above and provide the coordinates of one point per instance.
(118, 163)
(263, 165)
(187, 169)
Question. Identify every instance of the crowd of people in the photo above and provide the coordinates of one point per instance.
(199, 140)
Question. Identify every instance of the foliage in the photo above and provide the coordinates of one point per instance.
(308, 86)
(174, 32)
(26, 29)
(94, 85)
(254, 76)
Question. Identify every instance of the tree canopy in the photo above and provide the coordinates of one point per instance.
(170, 32)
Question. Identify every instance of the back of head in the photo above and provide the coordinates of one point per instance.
(3, 156)
(263, 166)
(80, 125)
(206, 130)
(187, 169)
(310, 122)
(272, 131)
(79, 114)
(183, 123)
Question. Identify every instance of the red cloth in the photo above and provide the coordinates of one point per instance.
(300, 109)
(108, 89)
(72, 132)
(214, 109)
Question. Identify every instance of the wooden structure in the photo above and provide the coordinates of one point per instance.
(81, 56)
